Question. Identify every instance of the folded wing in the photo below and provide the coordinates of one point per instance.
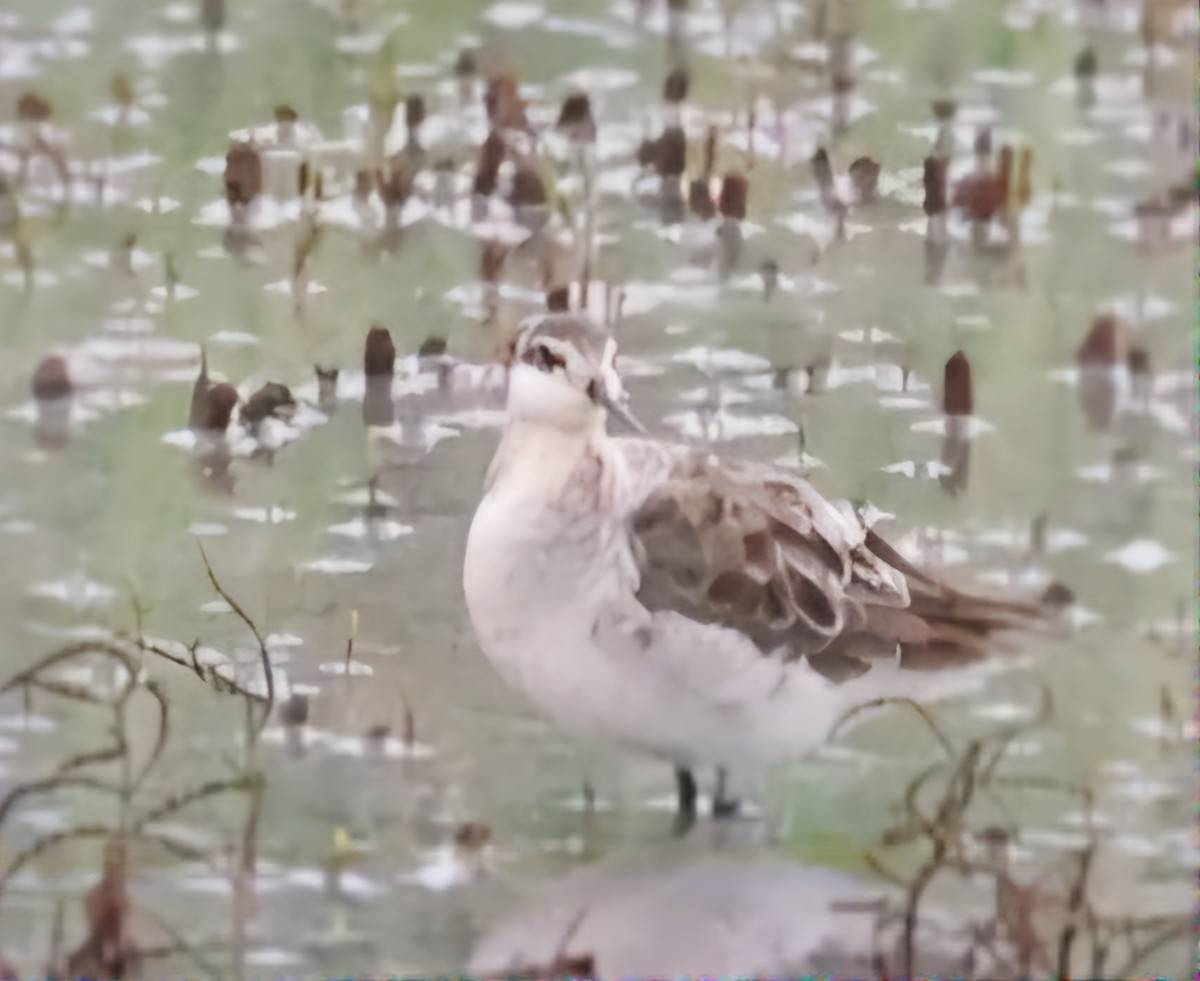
(759, 550)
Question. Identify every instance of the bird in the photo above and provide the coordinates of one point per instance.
(712, 613)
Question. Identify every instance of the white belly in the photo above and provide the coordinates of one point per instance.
(688, 693)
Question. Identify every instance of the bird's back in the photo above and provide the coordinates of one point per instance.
(757, 549)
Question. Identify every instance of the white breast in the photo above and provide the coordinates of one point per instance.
(521, 567)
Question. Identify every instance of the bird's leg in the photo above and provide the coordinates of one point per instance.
(589, 766)
(685, 789)
(723, 805)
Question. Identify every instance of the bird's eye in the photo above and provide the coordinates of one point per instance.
(546, 360)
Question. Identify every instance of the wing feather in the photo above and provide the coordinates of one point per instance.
(759, 550)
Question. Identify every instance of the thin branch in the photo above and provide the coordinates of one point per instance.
(76, 693)
(58, 780)
(915, 892)
(1075, 902)
(176, 802)
(915, 706)
(160, 742)
(206, 673)
(180, 945)
(85, 831)
(56, 933)
(44, 844)
(918, 823)
(268, 673)
(1046, 783)
(1006, 737)
(1174, 929)
(881, 870)
(71, 651)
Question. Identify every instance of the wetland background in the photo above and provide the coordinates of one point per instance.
(397, 802)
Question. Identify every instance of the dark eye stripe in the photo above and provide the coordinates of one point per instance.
(542, 358)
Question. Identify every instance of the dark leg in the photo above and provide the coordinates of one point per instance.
(724, 806)
(685, 789)
(589, 797)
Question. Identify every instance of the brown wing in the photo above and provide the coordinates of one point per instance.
(942, 627)
(763, 552)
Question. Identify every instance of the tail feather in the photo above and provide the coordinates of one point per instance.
(941, 628)
(961, 628)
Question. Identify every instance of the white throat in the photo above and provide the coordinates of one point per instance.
(537, 398)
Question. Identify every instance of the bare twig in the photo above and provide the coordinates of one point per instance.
(268, 673)
(1075, 902)
(1044, 783)
(176, 802)
(915, 706)
(1174, 929)
(408, 728)
(206, 673)
(71, 651)
(180, 945)
(49, 841)
(1006, 737)
(85, 831)
(160, 741)
(46, 784)
(915, 891)
(56, 934)
(881, 870)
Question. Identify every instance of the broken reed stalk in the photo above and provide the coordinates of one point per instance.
(354, 613)
(308, 237)
(408, 731)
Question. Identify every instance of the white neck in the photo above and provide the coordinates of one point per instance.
(545, 453)
(549, 399)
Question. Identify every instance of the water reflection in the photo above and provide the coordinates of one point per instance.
(53, 397)
(958, 404)
(691, 910)
(688, 914)
(379, 366)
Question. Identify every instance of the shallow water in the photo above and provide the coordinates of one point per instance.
(116, 514)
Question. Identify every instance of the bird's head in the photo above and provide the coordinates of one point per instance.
(563, 375)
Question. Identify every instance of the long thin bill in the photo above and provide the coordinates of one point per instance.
(626, 417)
